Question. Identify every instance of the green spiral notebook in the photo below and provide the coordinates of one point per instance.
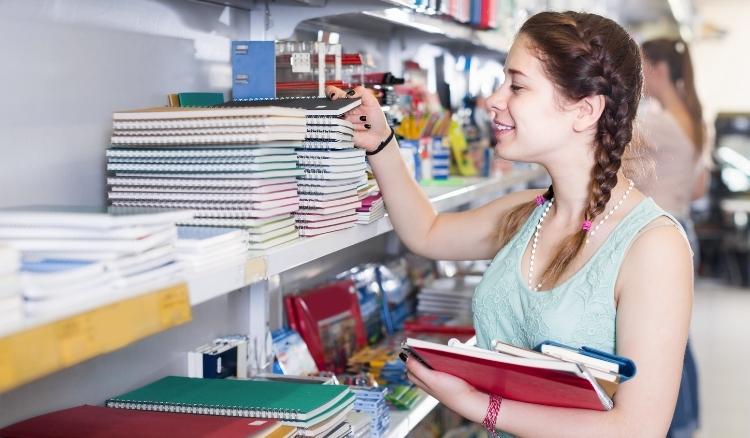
(295, 404)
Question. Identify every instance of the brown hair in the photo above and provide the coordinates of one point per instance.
(675, 53)
(586, 55)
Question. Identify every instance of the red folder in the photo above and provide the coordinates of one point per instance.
(329, 320)
(100, 422)
(544, 382)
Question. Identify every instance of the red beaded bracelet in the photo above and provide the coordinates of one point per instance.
(490, 418)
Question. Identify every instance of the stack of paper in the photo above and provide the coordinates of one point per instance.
(11, 303)
(333, 171)
(449, 297)
(77, 255)
(236, 167)
(360, 423)
(203, 249)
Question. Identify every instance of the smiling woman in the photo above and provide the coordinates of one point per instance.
(579, 263)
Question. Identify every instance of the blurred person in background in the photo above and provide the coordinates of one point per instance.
(674, 139)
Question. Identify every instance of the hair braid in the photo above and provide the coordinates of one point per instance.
(588, 55)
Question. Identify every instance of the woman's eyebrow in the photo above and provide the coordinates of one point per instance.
(513, 71)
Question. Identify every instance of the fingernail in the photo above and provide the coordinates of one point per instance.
(403, 356)
(332, 95)
(363, 118)
(367, 126)
(350, 93)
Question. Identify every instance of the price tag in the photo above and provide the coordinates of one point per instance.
(301, 63)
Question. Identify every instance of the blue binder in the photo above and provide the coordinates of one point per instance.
(253, 70)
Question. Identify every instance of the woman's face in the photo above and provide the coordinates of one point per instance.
(529, 115)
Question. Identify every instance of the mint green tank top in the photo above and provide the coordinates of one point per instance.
(580, 311)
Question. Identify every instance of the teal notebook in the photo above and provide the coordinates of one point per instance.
(294, 403)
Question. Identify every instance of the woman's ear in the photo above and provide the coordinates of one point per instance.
(587, 112)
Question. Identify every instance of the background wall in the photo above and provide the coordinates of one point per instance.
(68, 64)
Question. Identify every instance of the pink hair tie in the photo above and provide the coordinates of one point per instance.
(586, 225)
(539, 200)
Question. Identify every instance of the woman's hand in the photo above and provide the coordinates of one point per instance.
(370, 125)
(453, 392)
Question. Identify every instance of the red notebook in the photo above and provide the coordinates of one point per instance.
(100, 422)
(539, 381)
(329, 320)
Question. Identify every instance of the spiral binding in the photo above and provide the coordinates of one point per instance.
(209, 131)
(200, 197)
(198, 153)
(204, 122)
(268, 159)
(134, 167)
(204, 409)
(203, 139)
(188, 182)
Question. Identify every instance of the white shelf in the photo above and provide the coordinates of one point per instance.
(402, 422)
(444, 198)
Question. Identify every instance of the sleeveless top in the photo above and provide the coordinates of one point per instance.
(580, 311)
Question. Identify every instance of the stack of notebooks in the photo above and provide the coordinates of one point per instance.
(360, 423)
(73, 256)
(333, 168)
(11, 302)
(202, 249)
(373, 207)
(315, 410)
(371, 401)
(448, 297)
(235, 166)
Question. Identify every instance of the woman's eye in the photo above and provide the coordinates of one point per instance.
(515, 88)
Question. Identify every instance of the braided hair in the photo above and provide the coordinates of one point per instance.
(586, 55)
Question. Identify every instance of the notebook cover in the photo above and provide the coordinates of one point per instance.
(515, 382)
(326, 318)
(313, 106)
(253, 69)
(100, 422)
(277, 398)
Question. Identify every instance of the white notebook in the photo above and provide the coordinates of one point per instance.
(214, 122)
(325, 145)
(210, 203)
(180, 113)
(273, 234)
(359, 162)
(246, 167)
(89, 217)
(343, 153)
(330, 183)
(255, 246)
(217, 139)
(305, 216)
(256, 226)
(267, 192)
(348, 218)
(266, 198)
(345, 196)
(261, 185)
(289, 158)
(315, 174)
(325, 132)
(217, 210)
(30, 246)
(234, 175)
(327, 121)
(309, 232)
(287, 129)
(198, 153)
(327, 190)
(330, 209)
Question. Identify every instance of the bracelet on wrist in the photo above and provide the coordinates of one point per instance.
(383, 144)
(490, 418)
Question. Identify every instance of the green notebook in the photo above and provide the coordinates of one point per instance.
(296, 403)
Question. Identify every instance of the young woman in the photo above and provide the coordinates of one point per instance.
(590, 261)
(673, 134)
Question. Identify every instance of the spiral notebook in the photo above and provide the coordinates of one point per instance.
(255, 246)
(215, 209)
(181, 113)
(232, 130)
(205, 139)
(316, 231)
(312, 106)
(214, 122)
(315, 221)
(262, 193)
(255, 185)
(176, 168)
(295, 404)
(256, 226)
(184, 153)
(343, 153)
(326, 190)
(317, 209)
(233, 175)
(212, 197)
